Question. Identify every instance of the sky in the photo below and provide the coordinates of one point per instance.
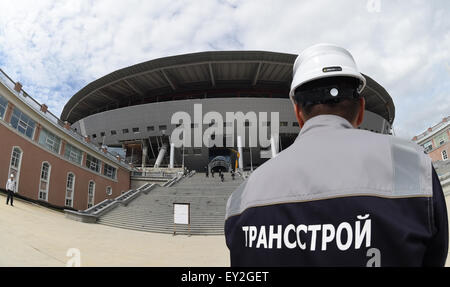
(55, 48)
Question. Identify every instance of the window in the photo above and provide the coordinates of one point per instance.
(125, 131)
(14, 166)
(283, 124)
(92, 163)
(428, 146)
(44, 182)
(444, 155)
(295, 124)
(49, 141)
(135, 130)
(109, 171)
(3, 105)
(94, 136)
(102, 134)
(109, 190)
(70, 187)
(22, 123)
(440, 139)
(113, 132)
(150, 129)
(162, 127)
(73, 154)
(91, 194)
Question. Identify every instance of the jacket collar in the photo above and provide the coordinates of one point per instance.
(325, 121)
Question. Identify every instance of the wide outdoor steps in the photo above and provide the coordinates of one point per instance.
(153, 212)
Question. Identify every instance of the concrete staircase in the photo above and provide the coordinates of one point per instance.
(153, 212)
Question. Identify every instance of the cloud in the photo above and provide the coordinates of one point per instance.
(56, 47)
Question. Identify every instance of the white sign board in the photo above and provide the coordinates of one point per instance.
(181, 213)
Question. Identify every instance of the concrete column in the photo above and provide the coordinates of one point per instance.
(274, 146)
(241, 153)
(172, 155)
(161, 155)
(144, 154)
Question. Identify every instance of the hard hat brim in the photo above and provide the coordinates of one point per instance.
(321, 75)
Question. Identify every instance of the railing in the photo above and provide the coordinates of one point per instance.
(91, 214)
(35, 105)
(178, 178)
(153, 174)
(97, 207)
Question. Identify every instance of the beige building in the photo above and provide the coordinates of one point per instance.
(435, 140)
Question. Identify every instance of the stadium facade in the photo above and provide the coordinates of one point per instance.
(132, 108)
(67, 162)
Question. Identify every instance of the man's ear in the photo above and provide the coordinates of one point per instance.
(299, 115)
(362, 108)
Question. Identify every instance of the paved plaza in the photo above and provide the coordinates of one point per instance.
(31, 235)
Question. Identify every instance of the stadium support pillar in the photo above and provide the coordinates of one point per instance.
(144, 154)
(172, 154)
(241, 154)
(162, 153)
(274, 146)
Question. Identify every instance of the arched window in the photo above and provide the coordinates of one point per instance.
(70, 188)
(45, 181)
(91, 194)
(15, 164)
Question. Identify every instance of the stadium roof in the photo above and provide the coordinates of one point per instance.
(194, 75)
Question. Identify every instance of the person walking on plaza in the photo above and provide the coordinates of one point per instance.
(339, 195)
(10, 189)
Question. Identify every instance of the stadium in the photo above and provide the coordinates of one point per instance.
(107, 158)
(132, 108)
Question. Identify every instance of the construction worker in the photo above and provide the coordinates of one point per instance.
(338, 196)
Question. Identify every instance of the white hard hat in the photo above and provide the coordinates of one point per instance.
(323, 61)
(12, 175)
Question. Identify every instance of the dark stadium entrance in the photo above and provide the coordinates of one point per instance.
(220, 159)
